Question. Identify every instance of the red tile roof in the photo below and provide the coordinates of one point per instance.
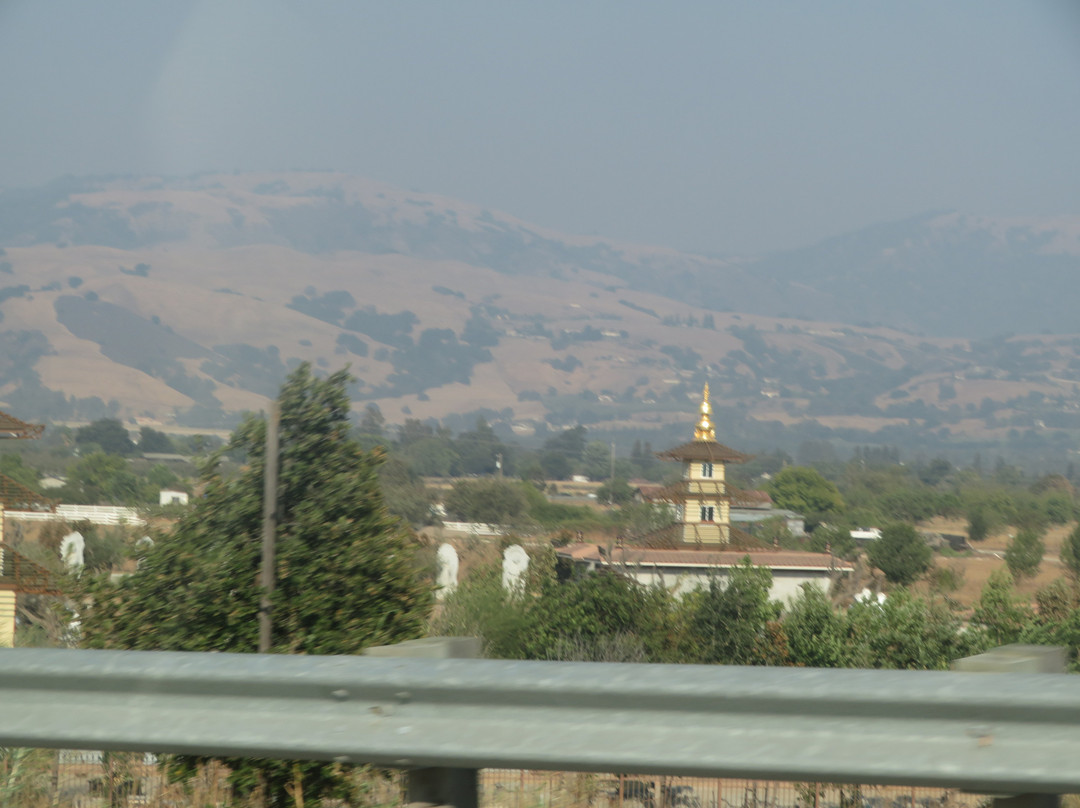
(12, 427)
(749, 499)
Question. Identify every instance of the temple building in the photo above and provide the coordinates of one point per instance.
(702, 498)
(702, 543)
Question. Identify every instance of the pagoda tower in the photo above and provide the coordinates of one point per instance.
(702, 497)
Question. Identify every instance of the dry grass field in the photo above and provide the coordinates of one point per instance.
(989, 556)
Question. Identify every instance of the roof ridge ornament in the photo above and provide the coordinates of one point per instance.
(704, 430)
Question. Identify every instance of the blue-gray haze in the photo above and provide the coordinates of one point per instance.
(711, 126)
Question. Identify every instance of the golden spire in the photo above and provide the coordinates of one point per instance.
(704, 429)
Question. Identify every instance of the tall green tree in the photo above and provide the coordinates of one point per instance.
(1024, 553)
(1070, 553)
(815, 631)
(1000, 612)
(478, 450)
(345, 572)
(978, 524)
(596, 460)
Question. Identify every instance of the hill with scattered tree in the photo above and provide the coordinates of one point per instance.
(187, 301)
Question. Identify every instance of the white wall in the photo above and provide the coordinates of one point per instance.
(786, 584)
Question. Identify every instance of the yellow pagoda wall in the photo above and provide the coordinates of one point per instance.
(704, 532)
(711, 492)
(7, 601)
(7, 618)
(693, 472)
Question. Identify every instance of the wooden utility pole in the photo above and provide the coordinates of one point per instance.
(269, 532)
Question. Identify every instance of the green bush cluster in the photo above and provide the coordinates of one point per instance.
(609, 617)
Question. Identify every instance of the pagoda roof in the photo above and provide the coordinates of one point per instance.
(12, 428)
(15, 496)
(704, 450)
(23, 575)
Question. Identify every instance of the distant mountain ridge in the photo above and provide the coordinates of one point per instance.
(187, 300)
(943, 274)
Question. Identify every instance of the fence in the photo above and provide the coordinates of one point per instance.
(97, 514)
(85, 779)
(474, 528)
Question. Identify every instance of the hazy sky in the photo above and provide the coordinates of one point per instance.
(712, 126)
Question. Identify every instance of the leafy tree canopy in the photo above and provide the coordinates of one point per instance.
(907, 632)
(803, 489)
(12, 465)
(102, 479)
(493, 502)
(733, 622)
(153, 441)
(901, 553)
(617, 491)
(108, 434)
(569, 442)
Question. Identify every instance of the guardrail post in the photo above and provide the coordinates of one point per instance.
(438, 785)
(1018, 658)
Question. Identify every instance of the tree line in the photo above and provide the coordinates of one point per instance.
(351, 575)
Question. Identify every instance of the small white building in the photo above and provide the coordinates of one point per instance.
(865, 534)
(169, 497)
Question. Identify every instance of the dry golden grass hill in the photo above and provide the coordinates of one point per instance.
(181, 301)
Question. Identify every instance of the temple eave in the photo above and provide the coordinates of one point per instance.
(709, 451)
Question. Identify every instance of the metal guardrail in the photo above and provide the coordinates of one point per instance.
(1005, 732)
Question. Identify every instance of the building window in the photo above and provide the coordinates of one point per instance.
(707, 513)
(706, 469)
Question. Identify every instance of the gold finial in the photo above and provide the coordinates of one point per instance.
(704, 429)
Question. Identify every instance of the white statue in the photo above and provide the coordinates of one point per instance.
(73, 551)
(515, 563)
(448, 569)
